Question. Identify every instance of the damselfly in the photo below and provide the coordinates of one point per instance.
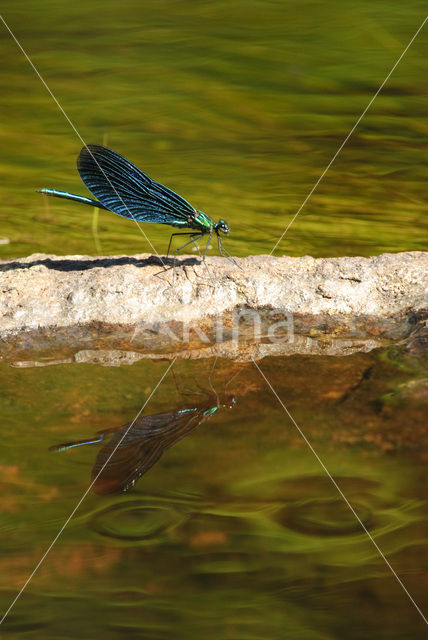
(119, 186)
(135, 447)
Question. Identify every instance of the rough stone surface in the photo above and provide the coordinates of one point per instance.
(132, 303)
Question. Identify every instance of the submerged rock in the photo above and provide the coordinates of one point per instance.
(57, 306)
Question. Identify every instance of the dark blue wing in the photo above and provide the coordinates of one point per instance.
(122, 188)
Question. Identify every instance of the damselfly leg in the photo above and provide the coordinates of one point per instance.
(193, 238)
(185, 233)
(225, 253)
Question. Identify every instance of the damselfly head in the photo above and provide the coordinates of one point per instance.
(222, 226)
(227, 401)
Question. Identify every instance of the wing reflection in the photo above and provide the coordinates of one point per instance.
(132, 451)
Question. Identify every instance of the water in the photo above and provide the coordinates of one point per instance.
(237, 106)
(236, 532)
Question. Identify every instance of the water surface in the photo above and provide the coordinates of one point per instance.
(238, 106)
(236, 531)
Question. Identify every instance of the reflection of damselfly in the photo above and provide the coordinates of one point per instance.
(144, 443)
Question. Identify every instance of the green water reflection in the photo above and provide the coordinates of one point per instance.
(236, 531)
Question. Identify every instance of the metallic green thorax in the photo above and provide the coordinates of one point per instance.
(200, 221)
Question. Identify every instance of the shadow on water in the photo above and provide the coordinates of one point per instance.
(138, 445)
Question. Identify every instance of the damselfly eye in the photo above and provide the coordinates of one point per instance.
(223, 226)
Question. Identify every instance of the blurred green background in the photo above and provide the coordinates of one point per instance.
(238, 106)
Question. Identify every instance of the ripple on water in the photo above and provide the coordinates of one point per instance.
(134, 521)
(324, 517)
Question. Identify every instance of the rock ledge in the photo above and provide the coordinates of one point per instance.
(133, 303)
